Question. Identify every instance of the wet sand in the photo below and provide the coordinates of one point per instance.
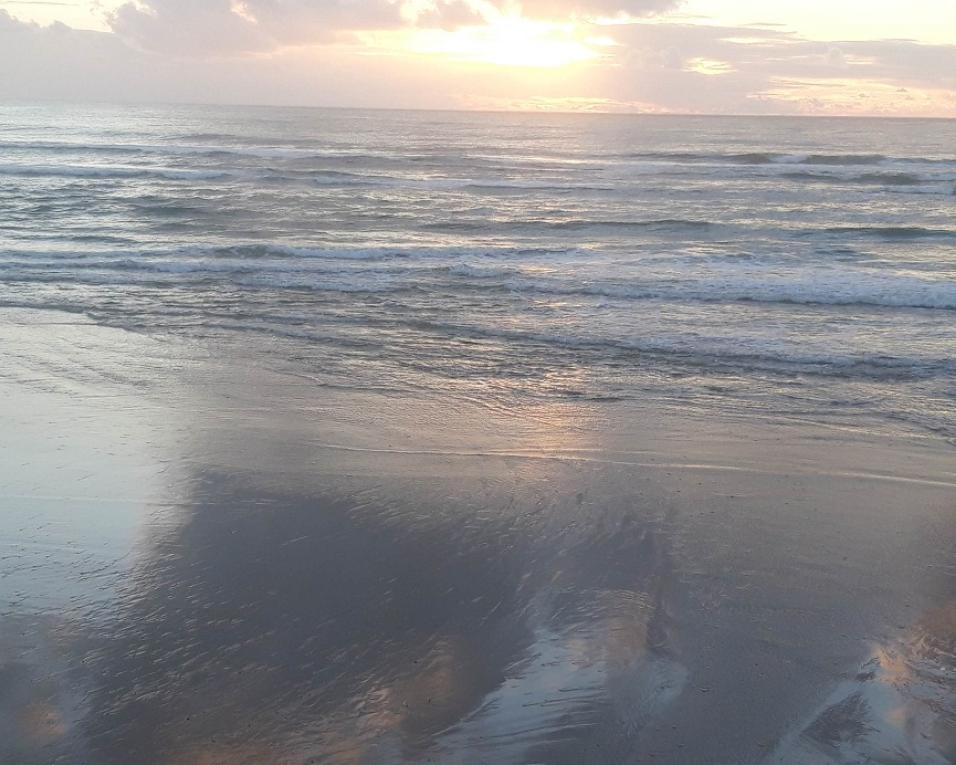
(205, 561)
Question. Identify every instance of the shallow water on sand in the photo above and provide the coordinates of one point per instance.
(208, 562)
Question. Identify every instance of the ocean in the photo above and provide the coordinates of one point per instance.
(780, 266)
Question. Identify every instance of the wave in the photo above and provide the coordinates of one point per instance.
(305, 154)
(661, 223)
(665, 225)
(880, 179)
(891, 232)
(503, 270)
(481, 272)
(266, 175)
(207, 136)
(848, 160)
(760, 354)
(324, 177)
(786, 158)
(76, 147)
(106, 172)
(746, 158)
(210, 152)
(170, 275)
(403, 253)
(304, 176)
(906, 182)
(518, 186)
(199, 254)
(807, 288)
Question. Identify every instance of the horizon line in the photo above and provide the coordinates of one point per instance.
(466, 110)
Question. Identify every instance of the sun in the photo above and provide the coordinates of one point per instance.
(511, 41)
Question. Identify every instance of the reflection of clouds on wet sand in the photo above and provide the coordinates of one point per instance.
(898, 710)
(378, 626)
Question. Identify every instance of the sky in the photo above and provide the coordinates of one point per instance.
(845, 57)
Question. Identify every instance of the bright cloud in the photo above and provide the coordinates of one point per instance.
(210, 27)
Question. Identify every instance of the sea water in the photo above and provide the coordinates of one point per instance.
(792, 266)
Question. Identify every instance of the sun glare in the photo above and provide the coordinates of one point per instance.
(511, 41)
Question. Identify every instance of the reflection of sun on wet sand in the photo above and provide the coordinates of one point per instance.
(899, 709)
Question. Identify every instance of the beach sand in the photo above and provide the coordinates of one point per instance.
(206, 561)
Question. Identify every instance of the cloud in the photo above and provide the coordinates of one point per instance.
(597, 8)
(700, 68)
(184, 27)
(60, 63)
(211, 27)
(217, 27)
